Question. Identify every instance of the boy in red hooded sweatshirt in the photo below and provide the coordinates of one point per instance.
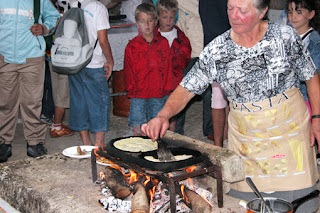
(178, 42)
(147, 69)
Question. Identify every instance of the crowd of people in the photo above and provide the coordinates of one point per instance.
(259, 82)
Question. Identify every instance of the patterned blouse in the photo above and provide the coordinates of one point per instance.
(275, 64)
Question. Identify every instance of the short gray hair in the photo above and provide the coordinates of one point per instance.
(260, 4)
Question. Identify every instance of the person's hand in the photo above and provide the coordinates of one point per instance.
(36, 29)
(155, 128)
(108, 70)
(315, 132)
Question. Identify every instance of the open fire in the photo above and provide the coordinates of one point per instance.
(186, 190)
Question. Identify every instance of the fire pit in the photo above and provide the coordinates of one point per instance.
(167, 172)
(61, 184)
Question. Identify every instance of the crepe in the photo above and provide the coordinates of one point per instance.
(177, 158)
(136, 144)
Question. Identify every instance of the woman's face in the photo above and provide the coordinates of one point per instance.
(299, 17)
(243, 16)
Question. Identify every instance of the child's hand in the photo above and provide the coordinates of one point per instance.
(36, 29)
(108, 70)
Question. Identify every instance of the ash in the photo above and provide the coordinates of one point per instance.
(160, 201)
(112, 204)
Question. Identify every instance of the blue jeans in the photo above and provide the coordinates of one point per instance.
(143, 110)
(89, 101)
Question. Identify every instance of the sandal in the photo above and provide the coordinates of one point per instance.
(64, 131)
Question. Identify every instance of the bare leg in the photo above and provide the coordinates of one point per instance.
(58, 115)
(225, 134)
(218, 120)
(85, 137)
(99, 139)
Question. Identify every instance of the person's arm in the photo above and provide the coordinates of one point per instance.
(175, 103)
(50, 16)
(106, 49)
(218, 113)
(313, 88)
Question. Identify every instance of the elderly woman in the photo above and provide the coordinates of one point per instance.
(259, 66)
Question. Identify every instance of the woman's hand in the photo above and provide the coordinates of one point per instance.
(315, 132)
(156, 127)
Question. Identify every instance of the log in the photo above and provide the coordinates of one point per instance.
(139, 201)
(116, 183)
(198, 204)
(209, 183)
(231, 164)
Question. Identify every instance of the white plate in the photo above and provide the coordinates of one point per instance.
(72, 151)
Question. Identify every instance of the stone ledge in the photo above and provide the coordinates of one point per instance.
(55, 183)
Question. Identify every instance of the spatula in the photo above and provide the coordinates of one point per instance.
(164, 154)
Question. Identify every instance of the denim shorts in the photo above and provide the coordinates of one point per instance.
(143, 110)
(89, 101)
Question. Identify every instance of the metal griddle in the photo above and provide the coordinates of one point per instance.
(138, 157)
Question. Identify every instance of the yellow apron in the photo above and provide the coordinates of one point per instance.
(272, 137)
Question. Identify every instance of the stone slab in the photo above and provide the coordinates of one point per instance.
(231, 164)
(58, 184)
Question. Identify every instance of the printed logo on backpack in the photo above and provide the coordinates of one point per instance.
(71, 50)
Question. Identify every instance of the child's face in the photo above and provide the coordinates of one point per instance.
(299, 17)
(146, 24)
(166, 20)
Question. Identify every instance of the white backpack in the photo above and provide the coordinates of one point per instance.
(71, 50)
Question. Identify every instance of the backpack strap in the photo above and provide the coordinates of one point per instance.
(36, 10)
(82, 5)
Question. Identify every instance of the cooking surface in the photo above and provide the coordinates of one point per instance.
(138, 157)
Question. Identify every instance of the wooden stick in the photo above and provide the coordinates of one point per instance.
(198, 204)
(116, 183)
(139, 201)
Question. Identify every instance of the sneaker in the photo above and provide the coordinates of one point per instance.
(45, 119)
(36, 150)
(64, 131)
(5, 152)
(318, 159)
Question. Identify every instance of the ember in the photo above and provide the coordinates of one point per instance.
(153, 190)
(149, 194)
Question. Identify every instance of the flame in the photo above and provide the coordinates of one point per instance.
(191, 168)
(95, 151)
(133, 177)
(182, 188)
(206, 199)
(148, 179)
(102, 176)
(152, 191)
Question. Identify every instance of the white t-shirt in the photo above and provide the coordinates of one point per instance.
(170, 36)
(97, 18)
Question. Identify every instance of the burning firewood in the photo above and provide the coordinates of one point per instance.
(198, 204)
(139, 201)
(117, 186)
